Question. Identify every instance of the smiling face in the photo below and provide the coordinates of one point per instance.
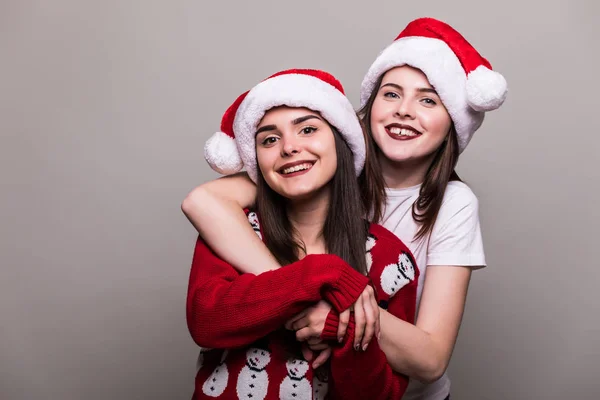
(295, 152)
(408, 120)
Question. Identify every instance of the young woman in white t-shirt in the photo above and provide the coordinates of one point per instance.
(421, 101)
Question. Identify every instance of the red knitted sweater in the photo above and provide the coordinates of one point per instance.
(237, 319)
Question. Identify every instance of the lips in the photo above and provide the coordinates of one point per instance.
(402, 132)
(295, 168)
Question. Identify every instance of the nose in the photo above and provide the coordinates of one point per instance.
(406, 109)
(290, 147)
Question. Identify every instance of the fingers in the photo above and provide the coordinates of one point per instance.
(359, 320)
(343, 325)
(366, 315)
(319, 346)
(307, 353)
(306, 333)
(377, 319)
(316, 344)
(300, 323)
(371, 316)
(288, 324)
(321, 358)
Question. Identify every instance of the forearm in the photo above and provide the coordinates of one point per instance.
(422, 351)
(410, 350)
(221, 222)
(226, 309)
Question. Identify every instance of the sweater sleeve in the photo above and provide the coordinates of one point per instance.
(360, 374)
(227, 310)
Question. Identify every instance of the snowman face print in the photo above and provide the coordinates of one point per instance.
(257, 359)
(396, 276)
(296, 368)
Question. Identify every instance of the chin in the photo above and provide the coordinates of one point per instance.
(298, 194)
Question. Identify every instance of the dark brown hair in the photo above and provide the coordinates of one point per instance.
(344, 231)
(442, 170)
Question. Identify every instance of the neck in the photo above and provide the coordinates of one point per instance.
(308, 218)
(400, 175)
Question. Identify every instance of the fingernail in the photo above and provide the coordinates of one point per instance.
(340, 339)
(356, 347)
(365, 347)
(379, 336)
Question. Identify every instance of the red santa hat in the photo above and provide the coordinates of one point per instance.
(463, 79)
(233, 148)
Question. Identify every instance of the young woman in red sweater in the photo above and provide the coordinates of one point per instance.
(302, 144)
(422, 100)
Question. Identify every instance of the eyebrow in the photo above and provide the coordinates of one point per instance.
(305, 118)
(266, 128)
(297, 121)
(420, 90)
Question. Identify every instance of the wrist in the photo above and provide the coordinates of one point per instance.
(330, 329)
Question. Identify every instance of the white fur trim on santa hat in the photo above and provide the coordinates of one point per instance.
(486, 89)
(222, 154)
(296, 90)
(443, 70)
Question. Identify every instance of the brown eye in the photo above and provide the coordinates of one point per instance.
(308, 130)
(269, 140)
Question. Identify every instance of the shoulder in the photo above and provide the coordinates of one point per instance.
(458, 218)
(458, 194)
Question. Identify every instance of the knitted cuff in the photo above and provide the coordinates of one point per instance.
(331, 326)
(347, 289)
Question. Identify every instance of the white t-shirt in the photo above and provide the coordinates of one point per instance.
(454, 240)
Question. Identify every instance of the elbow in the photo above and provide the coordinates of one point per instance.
(203, 338)
(193, 200)
(200, 330)
(432, 372)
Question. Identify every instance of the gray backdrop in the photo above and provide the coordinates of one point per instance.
(104, 110)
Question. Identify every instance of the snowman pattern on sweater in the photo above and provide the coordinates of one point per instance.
(394, 276)
(295, 385)
(320, 387)
(253, 381)
(215, 384)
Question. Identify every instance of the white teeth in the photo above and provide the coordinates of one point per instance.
(402, 132)
(296, 168)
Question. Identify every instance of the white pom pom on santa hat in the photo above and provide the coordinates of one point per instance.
(486, 89)
(221, 153)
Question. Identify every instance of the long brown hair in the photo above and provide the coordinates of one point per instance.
(345, 230)
(442, 170)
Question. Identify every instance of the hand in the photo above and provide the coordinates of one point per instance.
(316, 345)
(366, 317)
(310, 322)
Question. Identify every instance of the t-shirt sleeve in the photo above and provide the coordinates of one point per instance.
(456, 235)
